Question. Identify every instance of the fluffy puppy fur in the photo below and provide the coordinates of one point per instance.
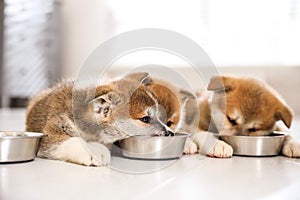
(130, 106)
(137, 104)
(243, 106)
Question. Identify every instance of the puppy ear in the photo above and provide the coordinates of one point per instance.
(285, 114)
(118, 92)
(189, 110)
(110, 98)
(104, 98)
(93, 93)
(140, 77)
(185, 94)
(219, 84)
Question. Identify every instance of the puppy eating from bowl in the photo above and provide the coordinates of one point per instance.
(99, 116)
(242, 106)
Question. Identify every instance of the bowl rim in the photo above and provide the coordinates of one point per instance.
(23, 134)
(276, 134)
(181, 134)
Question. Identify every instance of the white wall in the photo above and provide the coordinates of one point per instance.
(85, 25)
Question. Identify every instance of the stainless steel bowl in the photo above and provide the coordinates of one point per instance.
(18, 146)
(154, 147)
(270, 145)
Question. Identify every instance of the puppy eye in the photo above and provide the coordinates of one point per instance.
(231, 121)
(145, 119)
(169, 123)
(252, 130)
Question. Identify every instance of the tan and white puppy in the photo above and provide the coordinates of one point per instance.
(133, 105)
(242, 106)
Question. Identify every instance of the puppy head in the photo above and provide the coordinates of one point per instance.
(96, 110)
(245, 106)
(101, 100)
(133, 105)
(155, 108)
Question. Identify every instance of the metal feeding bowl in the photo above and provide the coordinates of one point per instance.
(18, 146)
(270, 145)
(154, 147)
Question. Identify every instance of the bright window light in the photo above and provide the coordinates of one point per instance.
(232, 32)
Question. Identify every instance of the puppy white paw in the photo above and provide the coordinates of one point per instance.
(87, 159)
(221, 150)
(99, 152)
(190, 147)
(76, 151)
(291, 149)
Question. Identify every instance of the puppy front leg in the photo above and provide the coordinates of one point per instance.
(221, 150)
(208, 144)
(291, 147)
(190, 147)
(77, 151)
(58, 144)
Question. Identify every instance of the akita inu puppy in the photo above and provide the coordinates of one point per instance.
(133, 105)
(242, 106)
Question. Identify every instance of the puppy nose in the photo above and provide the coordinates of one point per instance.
(169, 133)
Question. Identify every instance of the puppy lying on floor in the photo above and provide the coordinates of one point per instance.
(242, 106)
(100, 115)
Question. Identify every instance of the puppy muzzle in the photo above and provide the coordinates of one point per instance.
(169, 133)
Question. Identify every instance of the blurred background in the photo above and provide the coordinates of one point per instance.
(44, 41)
